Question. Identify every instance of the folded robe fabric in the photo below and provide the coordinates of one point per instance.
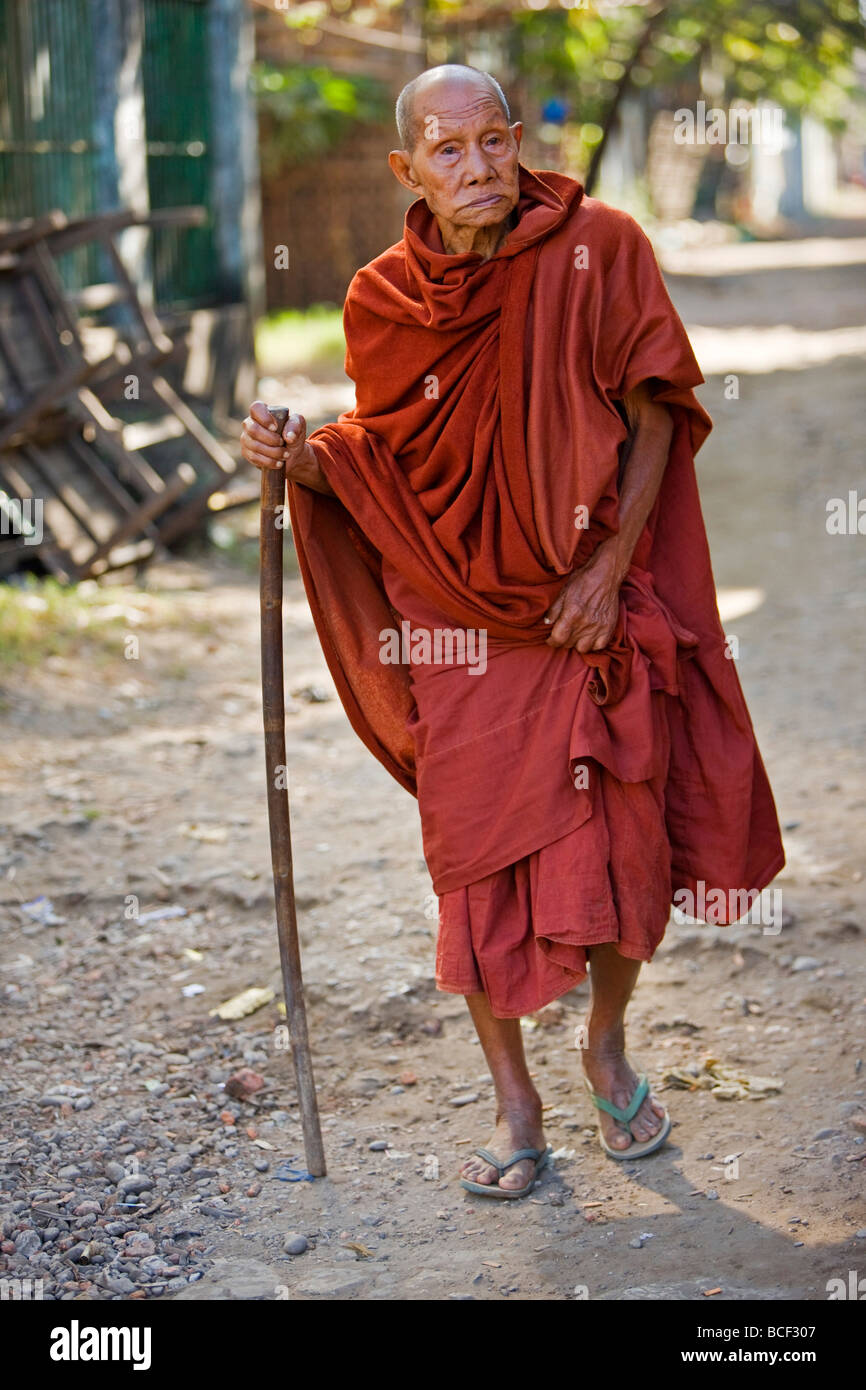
(485, 433)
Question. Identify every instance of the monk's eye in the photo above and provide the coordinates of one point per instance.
(449, 149)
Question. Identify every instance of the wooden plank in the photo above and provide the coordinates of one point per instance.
(175, 486)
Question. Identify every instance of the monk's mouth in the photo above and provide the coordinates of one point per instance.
(488, 201)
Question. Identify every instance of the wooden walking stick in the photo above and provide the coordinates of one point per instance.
(273, 705)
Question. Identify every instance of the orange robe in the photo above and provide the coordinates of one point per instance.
(564, 798)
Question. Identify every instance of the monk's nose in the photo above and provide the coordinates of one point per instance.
(480, 168)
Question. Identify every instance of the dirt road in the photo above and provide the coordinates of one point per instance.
(133, 800)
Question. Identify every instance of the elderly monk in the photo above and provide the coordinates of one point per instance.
(517, 476)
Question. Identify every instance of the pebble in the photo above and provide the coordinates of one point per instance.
(466, 1099)
(637, 1243)
(378, 1146)
(261, 1165)
(712, 1194)
(155, 1267)
(138, 1245)
(825, 1134)
(805, 963)
(115, 1172)
(135, 1183)
(295, 1244)
(27, 1243)
(180, 1163)
(860, 1235)
(119, 1283)
(244, 1083)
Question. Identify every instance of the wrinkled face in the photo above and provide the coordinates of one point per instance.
(466, 156)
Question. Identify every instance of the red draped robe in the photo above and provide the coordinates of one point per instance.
(564, 798)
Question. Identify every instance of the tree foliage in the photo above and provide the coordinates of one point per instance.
(307, 110)
(797, 54)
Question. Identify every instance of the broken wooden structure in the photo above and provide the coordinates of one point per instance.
(102, 460)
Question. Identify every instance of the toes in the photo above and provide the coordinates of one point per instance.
(518, 1176)
(617, 1137)
(647, 1122)
(648, 1126)
(484, 1176)
(477, 1171)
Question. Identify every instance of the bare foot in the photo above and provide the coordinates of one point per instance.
(611, 1077)
(517, 1127)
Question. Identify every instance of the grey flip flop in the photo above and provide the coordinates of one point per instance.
(636, 1149)
(486, 1189)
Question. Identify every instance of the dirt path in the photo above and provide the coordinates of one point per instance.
(131, 1172)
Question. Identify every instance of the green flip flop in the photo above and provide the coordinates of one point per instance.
(635, 1149)
(541, 1158)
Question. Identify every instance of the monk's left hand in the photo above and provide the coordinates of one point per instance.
(585, 613)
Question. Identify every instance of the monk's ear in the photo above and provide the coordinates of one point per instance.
(401, 167)
(517, 132)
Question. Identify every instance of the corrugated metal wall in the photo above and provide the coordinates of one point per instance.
(47, 152)
(178, 116)
(47, 148)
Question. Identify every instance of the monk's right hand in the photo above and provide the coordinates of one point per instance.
(264, 447)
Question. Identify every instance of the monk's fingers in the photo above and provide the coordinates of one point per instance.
(260, 413)
(561, 633)
(596, 633)
(572, 621)
(256, 438)
(555, 608)
(593, 640)
(262, 460)
(568, 626)
(250, 448)
(272, 452)
(294, 429)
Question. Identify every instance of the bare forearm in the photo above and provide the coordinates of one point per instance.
(642, 476)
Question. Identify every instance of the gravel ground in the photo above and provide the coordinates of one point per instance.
(151, 1149)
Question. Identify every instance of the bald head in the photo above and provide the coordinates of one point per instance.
(410, 123)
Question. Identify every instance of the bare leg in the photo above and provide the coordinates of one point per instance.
(518, 1104)
(613, 978)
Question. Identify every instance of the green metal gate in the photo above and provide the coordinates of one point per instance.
(178, 117)
(48, 147)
